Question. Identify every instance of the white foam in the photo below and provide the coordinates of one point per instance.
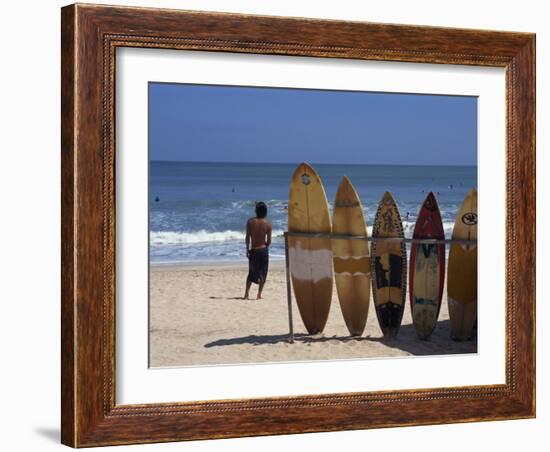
(181, 238)
(160, 238)
(408, 228)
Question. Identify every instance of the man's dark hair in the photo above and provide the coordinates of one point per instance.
(261, 209)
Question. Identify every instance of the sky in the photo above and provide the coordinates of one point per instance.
(210, 123)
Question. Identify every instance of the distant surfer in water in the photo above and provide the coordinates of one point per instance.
(258, 240)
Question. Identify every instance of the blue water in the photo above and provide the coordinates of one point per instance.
(202, 208)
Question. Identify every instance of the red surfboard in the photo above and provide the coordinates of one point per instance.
(427, 269)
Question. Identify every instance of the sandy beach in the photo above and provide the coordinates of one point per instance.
(198, 317)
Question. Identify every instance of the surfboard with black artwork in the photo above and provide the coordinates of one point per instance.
(389, 264)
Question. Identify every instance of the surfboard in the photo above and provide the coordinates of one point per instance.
(462, 271)
(389, 263)
(351, 258)
(427, 269)
(310, 258)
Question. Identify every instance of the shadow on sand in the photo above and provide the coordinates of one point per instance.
(439, 343)
(226, 298)
(251, 298)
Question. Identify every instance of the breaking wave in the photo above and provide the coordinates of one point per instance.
(164, 238)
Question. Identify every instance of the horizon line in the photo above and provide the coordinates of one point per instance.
(312, 163)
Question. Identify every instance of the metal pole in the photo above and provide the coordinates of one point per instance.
(381, 239)
(288, 293)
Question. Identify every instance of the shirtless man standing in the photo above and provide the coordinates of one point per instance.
(258, 239)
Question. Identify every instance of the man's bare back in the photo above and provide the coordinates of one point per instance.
(258, 240)
(258, 231)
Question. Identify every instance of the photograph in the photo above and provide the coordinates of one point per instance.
(294, 224)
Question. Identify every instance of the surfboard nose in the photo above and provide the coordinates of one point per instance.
(345, 180)
(344, 187)
(301, 168)
(430, 202)
(387, 199)
(304, 172)
(305, 167)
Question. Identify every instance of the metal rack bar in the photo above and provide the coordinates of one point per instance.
(288, 294)
(379, 239)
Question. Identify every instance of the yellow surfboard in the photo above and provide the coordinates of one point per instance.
(351, 258)
(389, 264)
(462, 271)
(310, 258)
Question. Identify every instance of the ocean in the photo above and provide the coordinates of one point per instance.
(198, 211)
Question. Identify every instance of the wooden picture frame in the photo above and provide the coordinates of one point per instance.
(90, 36)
